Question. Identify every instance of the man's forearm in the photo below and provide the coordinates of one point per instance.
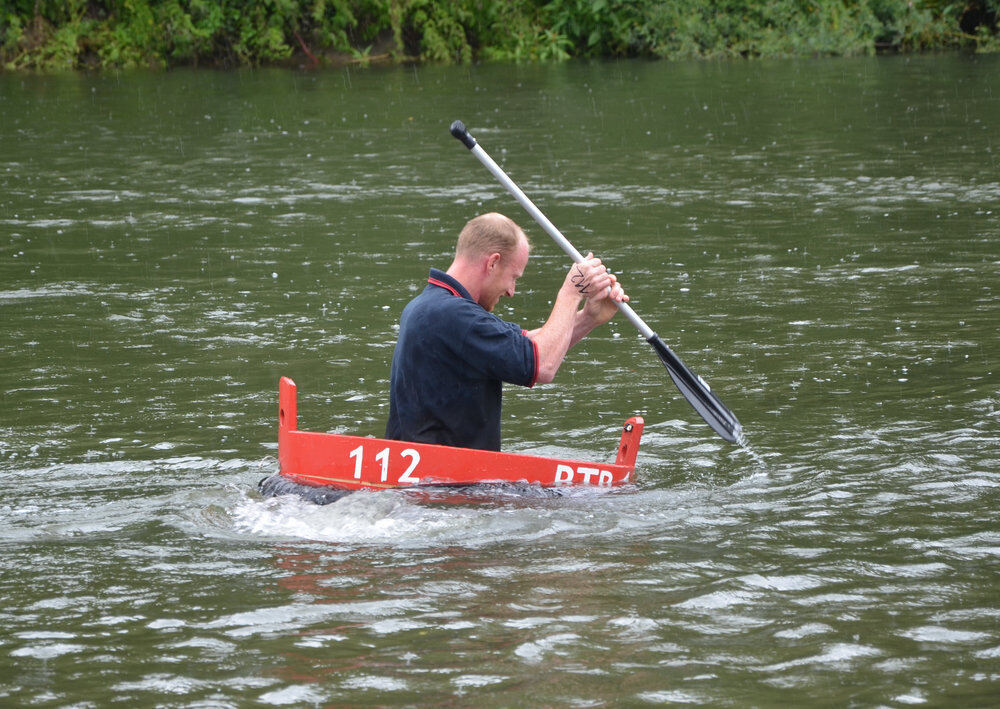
(556, 336)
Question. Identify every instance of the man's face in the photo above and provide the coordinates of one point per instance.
(502, 280)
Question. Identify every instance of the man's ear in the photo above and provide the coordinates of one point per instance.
(492, 262)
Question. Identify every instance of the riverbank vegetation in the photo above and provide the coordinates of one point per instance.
(102, 34)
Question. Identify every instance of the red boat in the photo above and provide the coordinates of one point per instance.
(325, 466)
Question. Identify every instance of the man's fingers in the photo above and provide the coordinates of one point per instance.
(593, 280)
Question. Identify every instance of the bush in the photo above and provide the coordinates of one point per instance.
(49, 35)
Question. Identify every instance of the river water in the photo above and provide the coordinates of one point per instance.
(817, 238)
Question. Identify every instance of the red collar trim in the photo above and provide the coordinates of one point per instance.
(442, 284)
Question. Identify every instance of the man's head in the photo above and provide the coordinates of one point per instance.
(497, 249)
(488, 234)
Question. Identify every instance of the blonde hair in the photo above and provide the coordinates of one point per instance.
(488, 234)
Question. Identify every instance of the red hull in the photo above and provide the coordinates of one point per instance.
(355, 462)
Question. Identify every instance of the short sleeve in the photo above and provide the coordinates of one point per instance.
(500, 350)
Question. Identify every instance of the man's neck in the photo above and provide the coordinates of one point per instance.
(469, 274)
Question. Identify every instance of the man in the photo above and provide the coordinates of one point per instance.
(453, 354)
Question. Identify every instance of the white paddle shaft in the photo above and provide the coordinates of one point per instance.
(551, 229)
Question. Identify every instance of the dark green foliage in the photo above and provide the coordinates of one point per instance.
(46, 34)
(598, 28)
(433, 30)
(790, 27)
(123, 33)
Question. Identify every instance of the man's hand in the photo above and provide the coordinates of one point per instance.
(588, 279)
(601, 307)
(568, 323)
(591, 280)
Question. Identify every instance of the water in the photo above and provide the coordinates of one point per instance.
(818, 239)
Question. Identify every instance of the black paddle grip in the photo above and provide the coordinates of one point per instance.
(459, 130)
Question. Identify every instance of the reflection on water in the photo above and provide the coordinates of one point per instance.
(815, 237)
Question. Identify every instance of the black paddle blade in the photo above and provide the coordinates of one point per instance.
(698, 393)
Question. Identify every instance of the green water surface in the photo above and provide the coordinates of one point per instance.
(817, 238)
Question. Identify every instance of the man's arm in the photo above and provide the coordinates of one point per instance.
(567, 324)
(598, 310)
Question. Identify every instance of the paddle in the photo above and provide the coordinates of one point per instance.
(693, 387)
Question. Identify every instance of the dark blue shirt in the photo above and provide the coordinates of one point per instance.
(451, 359)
